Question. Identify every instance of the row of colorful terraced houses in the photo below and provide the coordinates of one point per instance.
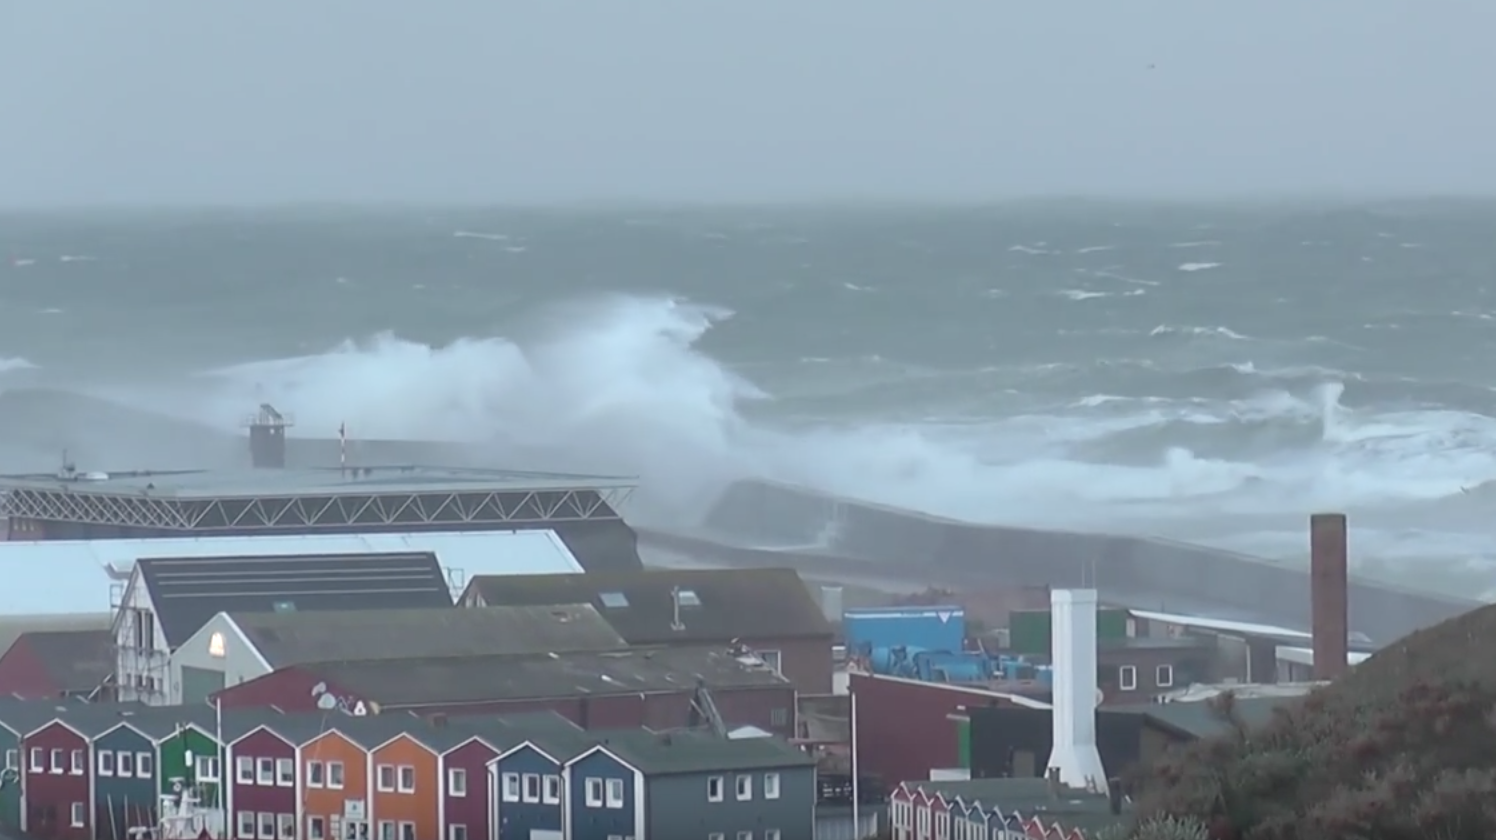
(97, 771)
(996, 809)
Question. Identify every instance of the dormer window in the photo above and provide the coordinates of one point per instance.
(688, 598)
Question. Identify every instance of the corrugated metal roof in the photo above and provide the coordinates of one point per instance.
(1222, 625)
(1305, 656)
(68, 576)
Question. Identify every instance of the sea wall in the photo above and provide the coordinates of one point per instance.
(766, 519)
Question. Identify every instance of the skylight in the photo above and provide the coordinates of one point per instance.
(614, 600)
(688, 598)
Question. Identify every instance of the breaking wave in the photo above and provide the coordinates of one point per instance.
(622, 385)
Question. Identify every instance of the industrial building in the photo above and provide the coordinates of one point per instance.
(767, 611)
(662, 688)
(235, 647)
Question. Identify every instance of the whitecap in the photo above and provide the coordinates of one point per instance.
(1197, 243)
(1198, 266)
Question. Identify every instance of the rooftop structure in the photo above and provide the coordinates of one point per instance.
(58, 663)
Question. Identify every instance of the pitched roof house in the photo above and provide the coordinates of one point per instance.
(58, 663)
(770, 611)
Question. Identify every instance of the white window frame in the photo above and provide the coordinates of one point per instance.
(381, 771)
(743, 787)
(124, 764)
(715, 835)
(316, 775)
(265, 825)
(205, 768)
(244, 770)
(285, 826)
(145, 765)
(316, 828)
(614, 793)
(285, 772)
(594, 792)
(456, 781)
(78, 815)
(511, 787)
(1127, 678)
(57, 765)
(265, 772)
(771, 834)
(1163, 676)
(106, 763)
(771, 785)
(79, 762)
(246, 824)
(407, 831)
(457, 831)
(12, 759)
(550, 793)
(37, 760)
(405, 778)
(720, 785)
(336, 775)
(530, 787)
(745, 835)
(386, 830)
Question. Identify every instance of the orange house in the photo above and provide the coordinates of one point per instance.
(334, 787)
(404, 790)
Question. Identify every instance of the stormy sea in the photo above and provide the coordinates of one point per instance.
(1207, 373)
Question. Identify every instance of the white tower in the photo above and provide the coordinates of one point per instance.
(1074, 653)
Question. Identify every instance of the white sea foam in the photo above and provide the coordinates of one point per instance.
(1198, 266)
(619, 385)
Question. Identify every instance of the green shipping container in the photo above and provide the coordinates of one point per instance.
(1029, 631)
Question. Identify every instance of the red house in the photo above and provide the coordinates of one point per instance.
(48, 664)
(262, 800)
(467, 804)
(904, 728)
(58, 783)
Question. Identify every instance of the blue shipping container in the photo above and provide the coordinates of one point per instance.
(926, 628)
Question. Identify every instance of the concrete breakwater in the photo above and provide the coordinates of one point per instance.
(759, 523)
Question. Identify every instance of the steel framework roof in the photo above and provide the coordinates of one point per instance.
(319, 499)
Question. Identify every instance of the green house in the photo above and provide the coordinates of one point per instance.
(191, 757)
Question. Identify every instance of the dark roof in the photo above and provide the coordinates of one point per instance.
(662, 754)
(77, 661)
(729, 604)
(337, 635)
(476, 679)
(1032, 797)
(1200, 719)
(187, 591)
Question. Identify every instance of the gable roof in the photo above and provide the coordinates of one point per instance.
(188, 591)
(661, 754)
(77, 661)
(728, 604)
(14, 626)
(333, 635)
(475, 679)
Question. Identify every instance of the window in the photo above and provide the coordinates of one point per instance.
(206, 768)
(456, 782)
(145, 764)
(12, 759)
(316, 828)
(286, 825)
(106, 763)
(285, 772)
(1164, 676)
(77, 817)
(532, 787)
(745, 787)
(771, 658)
(1127, 678)
(771, 785)
(36, 760)
(771, 834)
(266, 823)
(244, 770)
(407, 831)
(615, 793)
(314, 774)
(386, 830)
(457, 832)
(687, 598)
(714, 789)
(265, 771)
(779, 717)
(614, 600)
(594, 793)
(246, 825)
(715, 835)
(407, 779)
(77, 764)
(745, 835)
(57, 761)
(124, 764)
(511, 787)
(335, 775)
(552, 790)
(386, 778)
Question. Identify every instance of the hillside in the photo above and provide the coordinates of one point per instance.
(1402, 747)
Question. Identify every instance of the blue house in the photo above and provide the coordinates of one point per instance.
(528, 793)
(125, 784)
(604, 796)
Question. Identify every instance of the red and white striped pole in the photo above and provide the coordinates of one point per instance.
(343, 446)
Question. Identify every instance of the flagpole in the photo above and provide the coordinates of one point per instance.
(856, 782)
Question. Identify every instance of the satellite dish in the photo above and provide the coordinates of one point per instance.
(1100, 696)
(359, 710)
(326, 702)
(319, 688)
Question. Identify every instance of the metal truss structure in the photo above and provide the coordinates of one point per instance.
(308, 513)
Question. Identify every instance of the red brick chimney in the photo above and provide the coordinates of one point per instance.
(1328, 596)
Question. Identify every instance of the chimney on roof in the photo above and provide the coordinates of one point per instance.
(1074, 761)
(1329, 599)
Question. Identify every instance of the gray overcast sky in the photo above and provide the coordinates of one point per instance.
(172, 101)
